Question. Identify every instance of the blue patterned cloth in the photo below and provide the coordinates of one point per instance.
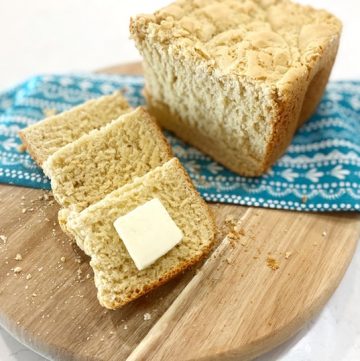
(319, 172)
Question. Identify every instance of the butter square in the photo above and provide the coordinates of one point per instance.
(148, 232)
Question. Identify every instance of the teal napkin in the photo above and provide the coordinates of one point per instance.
(319, 172)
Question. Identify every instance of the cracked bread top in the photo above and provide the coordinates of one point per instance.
(267, 40)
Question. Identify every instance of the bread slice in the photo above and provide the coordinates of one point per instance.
(86, 170)
(116, 277)
(236, 78)
(47, 136)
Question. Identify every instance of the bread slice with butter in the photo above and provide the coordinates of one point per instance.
(49, 135)
(117, 278)
(86, 170)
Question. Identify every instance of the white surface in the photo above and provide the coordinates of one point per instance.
(40, 36)
(148, 233)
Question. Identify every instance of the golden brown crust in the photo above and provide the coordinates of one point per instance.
(299, 103)
(166, 278)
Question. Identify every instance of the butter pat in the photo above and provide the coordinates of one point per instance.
(148, 233)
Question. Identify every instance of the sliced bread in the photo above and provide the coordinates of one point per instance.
(47, 136)
(116, 277)
(86, 170)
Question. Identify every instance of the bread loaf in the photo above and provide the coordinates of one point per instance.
(236, 78)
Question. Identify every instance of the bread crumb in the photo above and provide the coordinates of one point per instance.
(125, 327)
(272, 263)
(18, 257)
(21, 148)
(17, 269)
(230, 220)
(28, 276)
(3, 238)
(239, 230)
(40, 269)
(63, 259)
(23, 210)
(243, 243)
(287, 254)
(324, 234)
(304, 199)
(147, 316)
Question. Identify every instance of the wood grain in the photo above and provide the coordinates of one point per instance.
(232, 307)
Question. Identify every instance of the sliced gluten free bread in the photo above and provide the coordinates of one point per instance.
(236, 78)
(49, 135)
(86, 170)
(117, 279)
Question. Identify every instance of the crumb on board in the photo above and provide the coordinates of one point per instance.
(147, 316)
(28, 276)
(239, 230)
(324, 234)
(230, 220)
(63, 259)
(272, 263)
(3, 238)
(18, 257)
(288, 254)
(17, 269)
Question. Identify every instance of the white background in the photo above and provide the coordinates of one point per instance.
(45, 36)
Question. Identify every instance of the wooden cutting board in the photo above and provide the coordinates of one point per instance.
(249, 296)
